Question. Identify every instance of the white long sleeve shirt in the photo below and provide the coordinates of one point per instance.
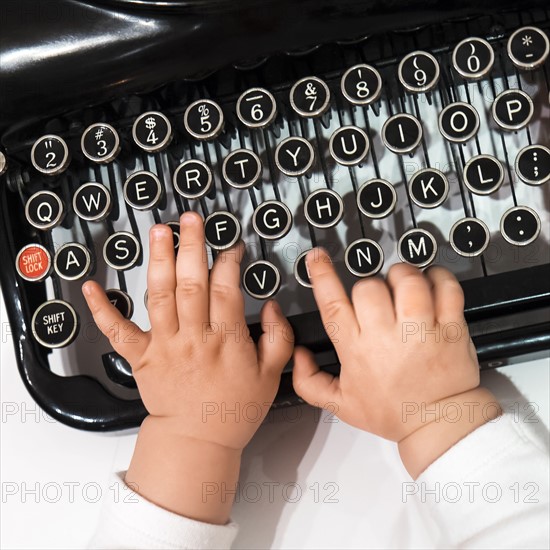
(490, 490)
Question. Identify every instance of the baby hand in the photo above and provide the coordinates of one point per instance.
(197, 371)
(405, 354)
(198, 359)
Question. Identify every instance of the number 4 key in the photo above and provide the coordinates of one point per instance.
(152, 132)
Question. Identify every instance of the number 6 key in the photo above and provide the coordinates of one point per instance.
(256, 108)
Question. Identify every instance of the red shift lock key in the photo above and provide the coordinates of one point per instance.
(33, 263)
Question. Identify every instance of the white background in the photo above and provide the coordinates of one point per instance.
(347, 492)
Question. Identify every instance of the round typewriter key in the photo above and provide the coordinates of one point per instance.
(256, 108)
(44, 210)
(3, 163)
(349, 145)
(33, 263)
(428, 188)
(483, 174)
(361, 84)
(528, 48)
(175, 227)
(520, 225)
(72, 261)
(272, 220)
(402, 133)
(473, 58)
(222, 230)
(100, 143)
(192, 179)
(203, 119)
(533, 164)
(301, 272)
(324, 208)
(242, 168)
(417, 247)
(121, 250)
(294, 156)
(55, 324)
(376, 198)
(310, 97)
(512, 109)
(50, 155)
(469, 237)
(458, 122)
(152, 132)
(121, 301)
(364, 257)
(261, 280)
(142, 190)
(92, 202)
(418, 72)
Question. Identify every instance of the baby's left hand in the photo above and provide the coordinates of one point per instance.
(205, 384)
(197, 369)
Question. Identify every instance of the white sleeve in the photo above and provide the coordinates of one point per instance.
(491, 490)
(132, 522)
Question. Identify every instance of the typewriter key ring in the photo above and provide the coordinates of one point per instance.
(533, 164)
(473, 58)
(419, 72)
(152, 132)
(50, 155)
(44, 210)
(520, 225)
(528, 48)
(100, 143)
(203, 119)
(361, 84)
(261, 279)
(256, 108)
(512, 110)
(310, 97)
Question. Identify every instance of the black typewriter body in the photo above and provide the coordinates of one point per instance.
(383, 131)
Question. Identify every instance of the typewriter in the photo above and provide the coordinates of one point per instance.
(413, 131)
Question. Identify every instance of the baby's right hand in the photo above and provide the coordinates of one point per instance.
(407, 359)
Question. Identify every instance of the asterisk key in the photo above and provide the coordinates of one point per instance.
(527, 40)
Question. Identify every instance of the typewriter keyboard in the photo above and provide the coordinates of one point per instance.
(436, 155)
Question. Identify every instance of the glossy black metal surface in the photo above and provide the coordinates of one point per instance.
(59, 55)
(118, 369)
(78, 401)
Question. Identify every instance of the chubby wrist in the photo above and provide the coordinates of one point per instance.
(440, 425)
(180, 435)
(186, 475)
